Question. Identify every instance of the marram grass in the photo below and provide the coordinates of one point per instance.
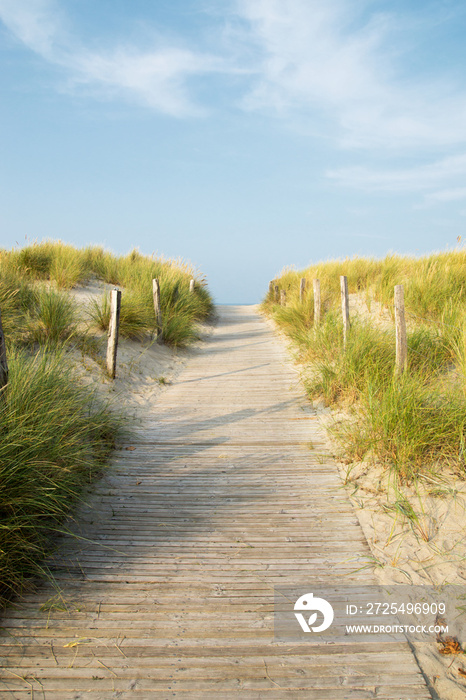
(54, 437)
(416, 422)
(62, 266)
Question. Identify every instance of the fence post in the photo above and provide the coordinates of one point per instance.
(114, 325)
(282, 297)
(400, 326)
(271, 290)
(345, 307)
(277, 293)
(191, 286)
(316, 285)
(302, 289)
(3, 362)
(157, 309)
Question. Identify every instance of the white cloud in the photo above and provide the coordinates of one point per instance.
(34, 22)
(157, 78)
(421, 178)
(453, 194)
(326, 61)
(336, 66)
(306, 57)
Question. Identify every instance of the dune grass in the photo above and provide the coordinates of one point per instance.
(64, 266)
(414, 423)
(52, 318)
(55, 436)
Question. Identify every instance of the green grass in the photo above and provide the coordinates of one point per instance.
(434, 284)
(65, 266)
(54, 437)
(414, 423)
(136, 319)
(410, 426)
(52, 318)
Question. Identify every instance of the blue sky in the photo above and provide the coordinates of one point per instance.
(241, 135)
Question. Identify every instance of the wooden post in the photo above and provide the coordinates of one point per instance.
(400, 326)
(345, 307)
(277, 293)
(283, 297)
(112, 344)
(302, 289)
(271, 290)
(191, 286)
(316, 285)
(3, 363)
(157, 309)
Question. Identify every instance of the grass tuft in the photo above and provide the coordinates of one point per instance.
(54, 437)
(53, 317)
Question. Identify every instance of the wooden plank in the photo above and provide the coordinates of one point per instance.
(270, 693)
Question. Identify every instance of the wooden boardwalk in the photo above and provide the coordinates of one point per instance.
(218, 499)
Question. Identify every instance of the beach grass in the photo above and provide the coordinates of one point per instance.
(63, 266)
(54, 438)
(414, 422)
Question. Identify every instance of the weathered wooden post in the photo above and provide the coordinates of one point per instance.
(3, 363)
(191, 286)
(114, 325)
(302, 289)
(400, 327)
(282, 297)
(317, 307)
(157, 309)
(271, 291)
(345, 307)
(277, 293)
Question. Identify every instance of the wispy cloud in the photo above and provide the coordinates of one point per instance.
(426, 178)
(454, 194)
(156, 77)
(340, 63)
(36, 23)
(306, 58)
(341, 68)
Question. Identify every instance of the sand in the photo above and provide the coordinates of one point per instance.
(144, 368)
